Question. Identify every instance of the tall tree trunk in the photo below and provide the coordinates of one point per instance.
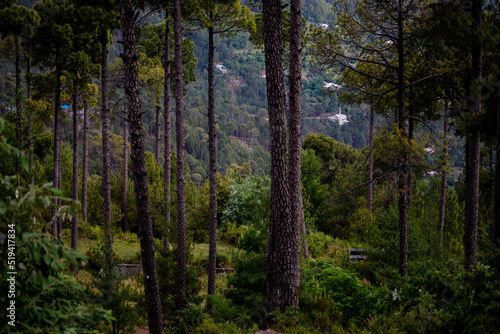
(281, 272)
(74, 222)
(495, 235)
(85, 158)
(444, 175)
(157, 132)
(30, 118)
(18, 96)
(212, 148)
(57, 148)
(167, 134)
(370, 162)
(125, 166)
(295, 138)
(129, 56)
(106, 164)
(405, 172)
(472, 142)
(181, 183)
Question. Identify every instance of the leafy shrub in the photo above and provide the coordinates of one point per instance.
(47, 300)
(231, 233)
(253, 240)
(247, 287)
(356, 301)
(166, 262)
(318, 243)
(108, 288)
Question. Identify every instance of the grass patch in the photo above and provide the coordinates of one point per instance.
(126, 246)
(200, 252)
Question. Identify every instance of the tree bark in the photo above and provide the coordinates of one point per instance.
(106, 164)
(57, 148)
(405, 172)
(472, 142)
(444, 175)
(30, 119)
(181, 183)
(125, 166)
(295, 137)
(167, 133)
(370, 163)
(281, 271)
(18, 95)
(129, 56)
(157, 132)
(303, 230)
(74, 222)
(495, 235)
(85, 159)
(212, 148)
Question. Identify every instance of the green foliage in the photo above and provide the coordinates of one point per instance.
(318, 243)
(166, 260)
(108, 288)
(249, 202)
(355, 301)
(247, 287)
(46, 298)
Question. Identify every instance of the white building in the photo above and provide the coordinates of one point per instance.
(331, 85)
(221, 68)
(341, 118)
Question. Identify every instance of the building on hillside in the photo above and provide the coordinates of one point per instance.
(324, 26)
(331, 85)
(221, 68)
(340, 118)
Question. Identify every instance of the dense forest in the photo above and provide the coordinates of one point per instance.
(236, 166)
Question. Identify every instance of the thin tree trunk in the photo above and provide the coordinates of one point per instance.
(30, 119)
(181, 183)
(295, 138)
(405, 176)
(212, 148)
(444, 175)
(281, 272)
(125, 167)
(74, 222)
(495, 235)
(106, 164)
(472, 143)
(18, 96)
(57, 148)
(157, 132)
(85, 159)
(129, 56)
(167, 134)
(370, 163)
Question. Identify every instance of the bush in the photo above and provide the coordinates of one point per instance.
(318, 243)
(166, 262)
(355, 300)
(232, 233)
(247, 287)
(253, 240)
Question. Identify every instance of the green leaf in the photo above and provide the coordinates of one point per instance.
(57, 192)
(36, 251)
(70, 258)
(47, 258)
(25, 163)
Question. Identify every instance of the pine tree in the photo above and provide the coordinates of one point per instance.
(129, 57)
